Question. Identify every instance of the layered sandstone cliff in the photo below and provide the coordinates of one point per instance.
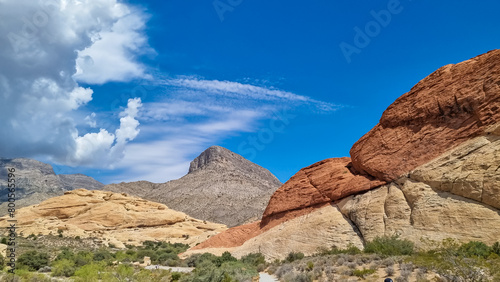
(429, 170)
(116, 218)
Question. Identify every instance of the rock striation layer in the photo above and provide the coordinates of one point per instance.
(36, 182)
(221, 186)
(450, 106)
(115, 218)
(323, 182)
(430, 170)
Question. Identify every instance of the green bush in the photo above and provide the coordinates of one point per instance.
(254, 259)
(474, 249)
(147, 253)
(198, 259)
(164, 257)
(226, 257)
(293, 256)
(83, 258)
(89, 272)
(64, 267)
(390, 246)
(496, 248)
(176, 276)
(4, 241)
(33, 260)
(102, 254)
(124, 272)
(66, 254)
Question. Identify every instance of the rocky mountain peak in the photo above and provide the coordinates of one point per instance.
(214, 155)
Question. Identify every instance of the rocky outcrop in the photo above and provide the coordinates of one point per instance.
(116, 218)
(450, 106)
(325, 227)
(221, 186)
(36, 182)
(323, 182)
(430, 170)
(427, 205)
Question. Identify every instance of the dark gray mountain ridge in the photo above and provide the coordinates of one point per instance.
(36, 181)
(221, 186)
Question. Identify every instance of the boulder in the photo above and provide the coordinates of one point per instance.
(450, 106)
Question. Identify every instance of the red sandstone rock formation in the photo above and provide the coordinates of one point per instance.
(450, 106)
(323, 182)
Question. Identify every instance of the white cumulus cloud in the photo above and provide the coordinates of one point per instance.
(47, 47)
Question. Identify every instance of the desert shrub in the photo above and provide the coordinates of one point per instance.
(64, 267)
(2, 262)
(390, 246)
(226, 257)
(389, 270)
(147, 253)
(89, 272)
(299, 277)
(228, 271)
(351, 249)
(474, 249)
(352, 265)
(4, 241)
(33, 260)
(293, 256)
(83, 257)
(310, 265)
(197, 259)
(282, 270)
(102, 254)
(254, 259)
(163, 258)
(176, 276)
(124, 272)
(496, 248)
(401, 279)
(363, 272)
(66, 253)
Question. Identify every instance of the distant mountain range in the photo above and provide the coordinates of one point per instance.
(221, 186)
(36, 182)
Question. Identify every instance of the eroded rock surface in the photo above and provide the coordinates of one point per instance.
(323, 182)
(324, 227)
(450, 106)
(117, 218)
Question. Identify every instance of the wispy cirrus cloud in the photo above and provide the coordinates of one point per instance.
(193, 114)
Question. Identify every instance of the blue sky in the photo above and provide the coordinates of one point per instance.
(134, 90)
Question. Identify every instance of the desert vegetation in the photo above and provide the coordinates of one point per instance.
(383, 257)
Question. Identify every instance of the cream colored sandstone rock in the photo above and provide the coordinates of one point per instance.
(415, 211)
(117, 218)
(323, 228)
(472, 170)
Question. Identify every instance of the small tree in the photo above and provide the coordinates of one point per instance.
(64, 267)
(33, 260)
